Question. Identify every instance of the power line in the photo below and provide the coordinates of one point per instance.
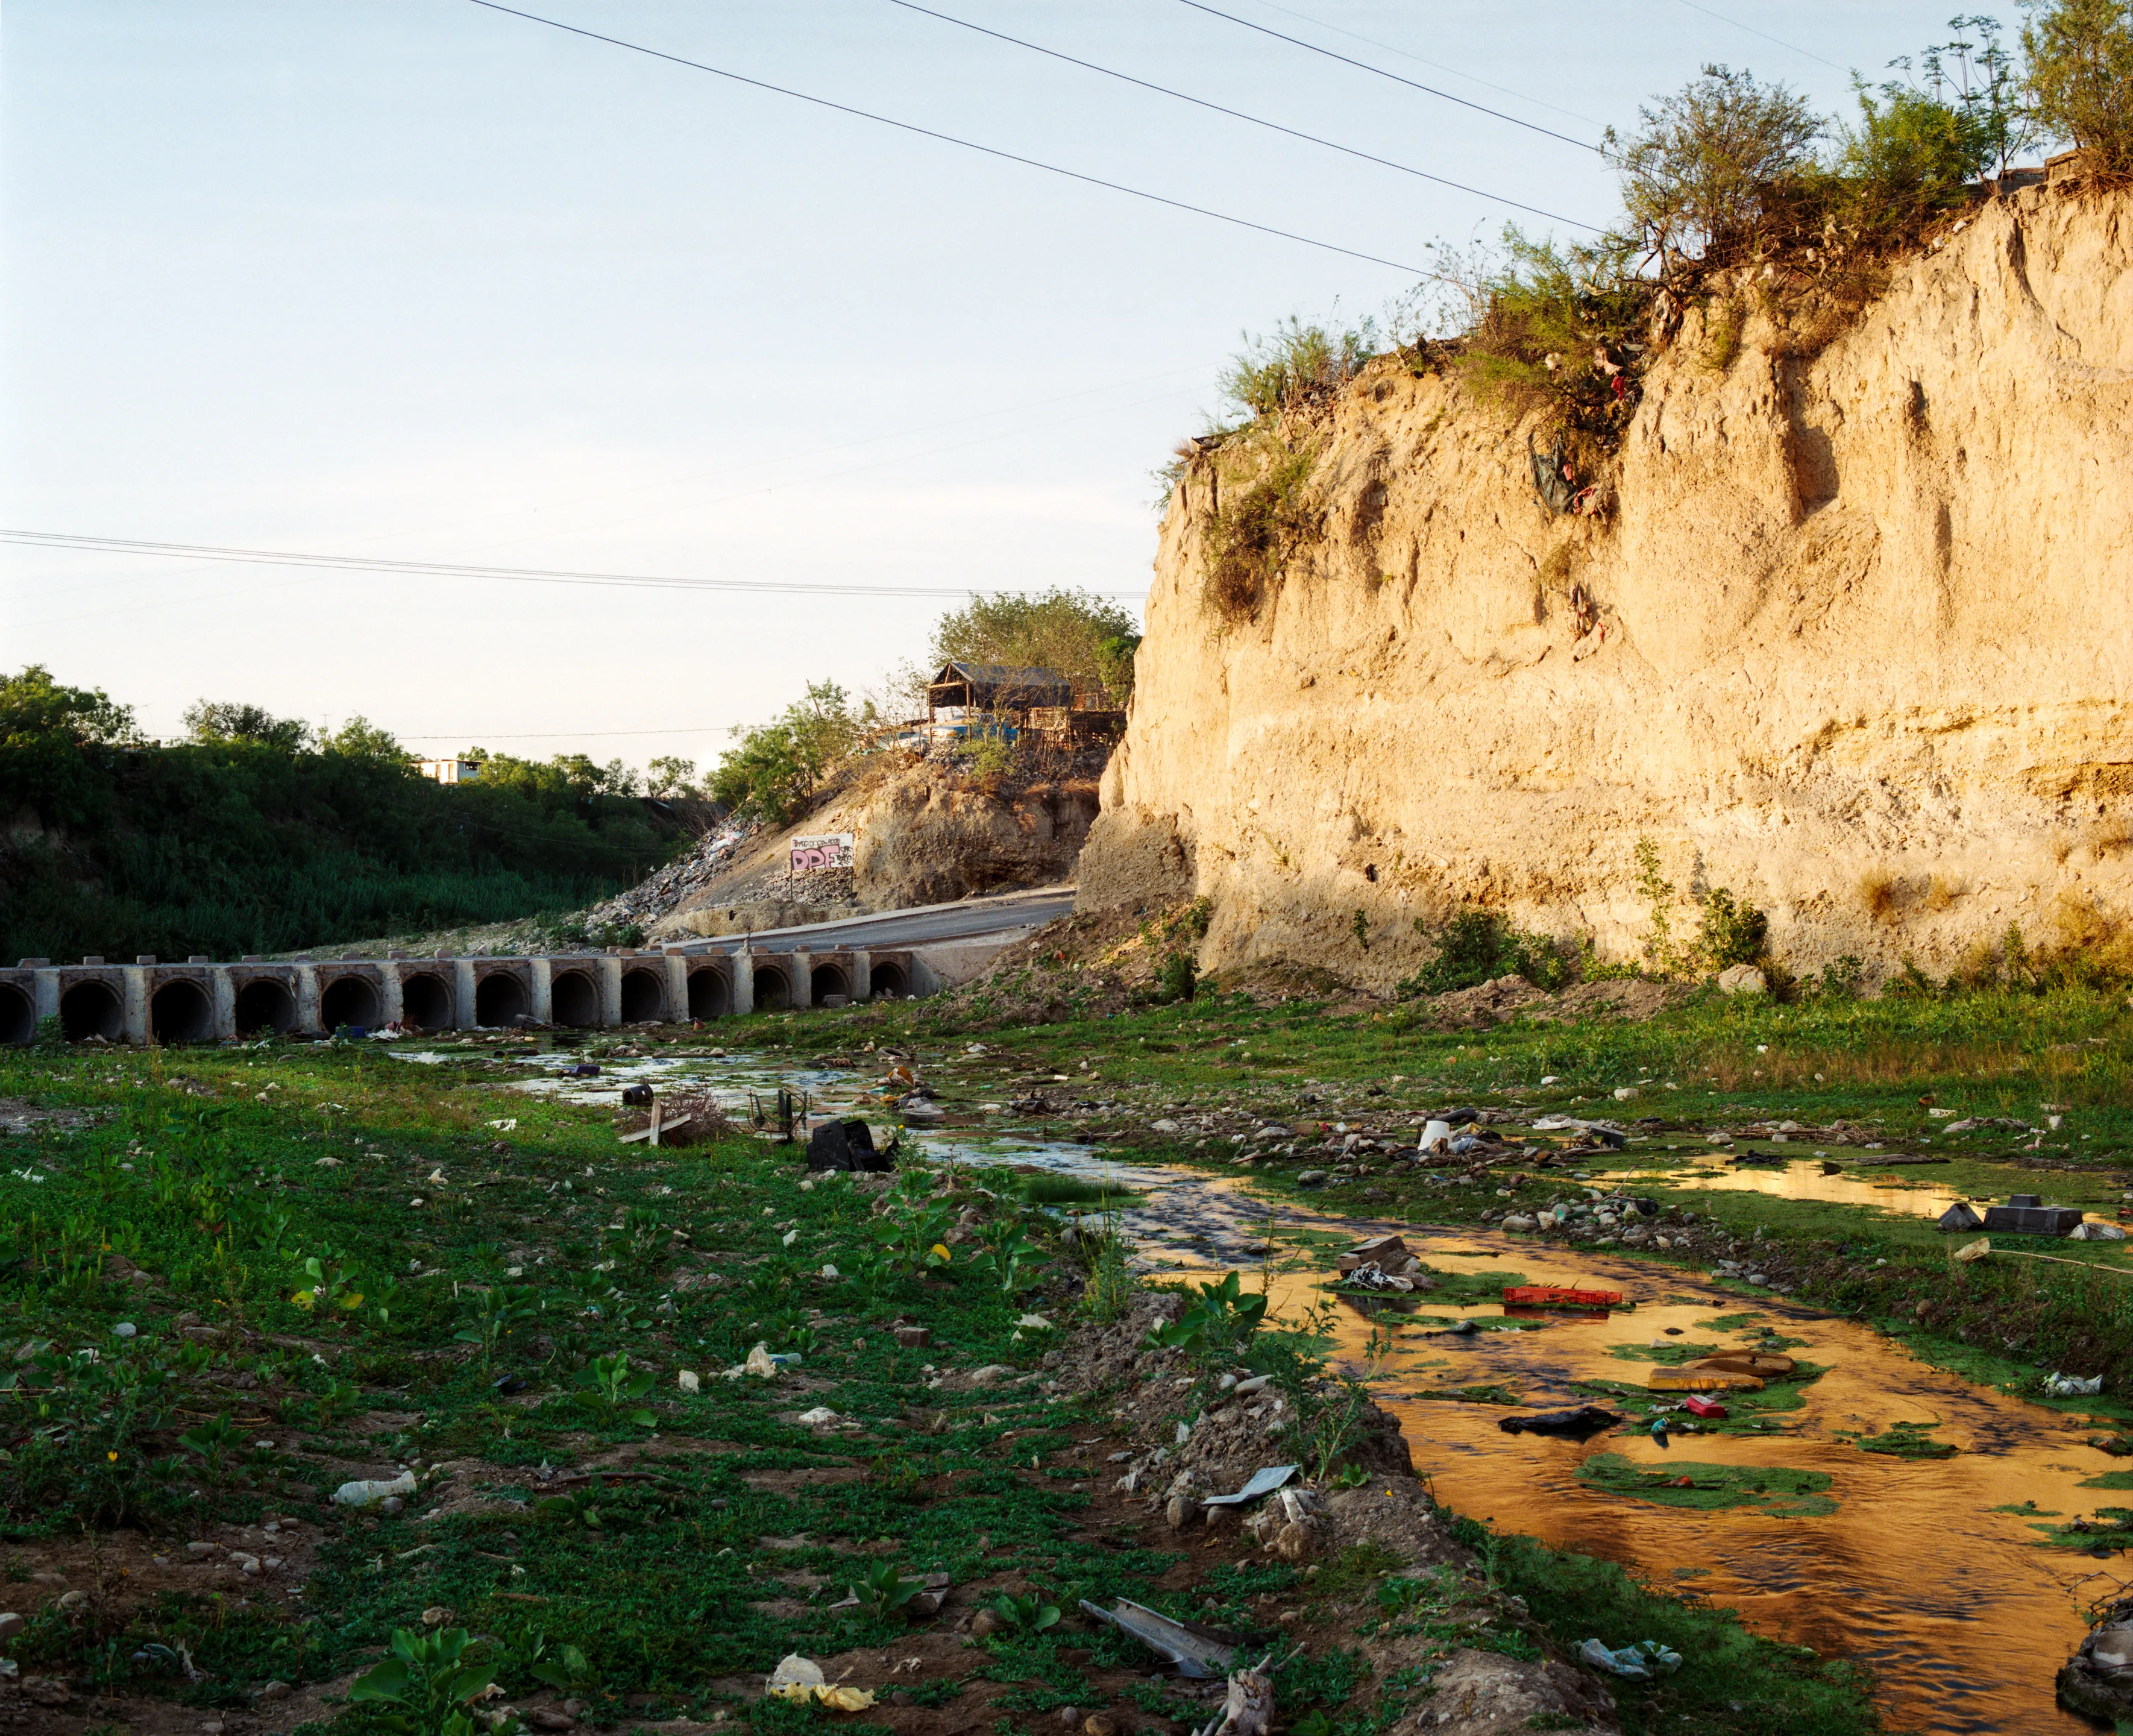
(950, 138)
(1424, 61)
(1346, 59)
(1809, 53)
(458, 570)
(1238, 114)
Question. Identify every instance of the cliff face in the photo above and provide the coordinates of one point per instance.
(1853, 638)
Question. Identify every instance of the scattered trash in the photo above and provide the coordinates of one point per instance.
(1637, 1662)
(1959, 1217)
(687, 1382)
(2096, 1232)
(1550, 1296)
(798, 1680)
(820, 1417)
(1582, 1424)
(847, 1145)
(636, 1096)
(1263, 1482)
(1709, 1409)
(1248, 1708)
(1374, 1277)
(1434, 1134)
(1384, 1250)
(1198, 1654)
(1976, 1249)
(2068, 1385)
(582, 1070)
(2024, 1214)
(365, 1493)
(1700, 1380)
(1764, 1364)
(1659, 1430)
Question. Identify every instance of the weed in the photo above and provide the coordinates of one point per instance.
(428, 1682)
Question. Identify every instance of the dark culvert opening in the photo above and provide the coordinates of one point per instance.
(707, 995)
(888, 982)
(265, 1005)
(499, 999)
(426, 1003)
(772, 990)
(181, 1012)
(351, 1001)
(643, 997)
(572, 1000)
(828, 979)
(18, 1015)
(92, 1009)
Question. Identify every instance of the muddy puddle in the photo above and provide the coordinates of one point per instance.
(1927, 1570)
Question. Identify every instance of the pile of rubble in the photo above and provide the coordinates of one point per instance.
(660, 894)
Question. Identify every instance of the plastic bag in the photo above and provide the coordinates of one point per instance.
(1639, 1662)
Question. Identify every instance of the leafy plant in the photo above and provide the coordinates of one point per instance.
(493, 1315)
(428, 1682)
(331, 1289)
(885, 1590)
(1735, 932)
(1480, 945)
(1218, 1323)
(210, 1440)
(1028, 1613)
(611, 1391)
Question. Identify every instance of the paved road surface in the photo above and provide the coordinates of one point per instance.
(964, 920)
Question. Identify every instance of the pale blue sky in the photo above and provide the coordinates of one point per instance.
(414, 279)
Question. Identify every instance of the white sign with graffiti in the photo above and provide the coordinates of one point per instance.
(830, 849)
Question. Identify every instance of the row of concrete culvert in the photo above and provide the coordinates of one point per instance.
(202, 1001)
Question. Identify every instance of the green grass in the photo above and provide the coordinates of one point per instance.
(1772, 1490)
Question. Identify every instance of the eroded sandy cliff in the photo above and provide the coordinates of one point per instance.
(1862, 650)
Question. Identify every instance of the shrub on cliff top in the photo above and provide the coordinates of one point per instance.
(2079, 80)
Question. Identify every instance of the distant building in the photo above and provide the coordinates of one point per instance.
(450, 771)
(996, 688)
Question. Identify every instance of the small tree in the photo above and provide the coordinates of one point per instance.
(1065, 630)
(669, 776)
(775, 771)
(214, 720)
(1697, 173)
(2080, 76)
(360, 739)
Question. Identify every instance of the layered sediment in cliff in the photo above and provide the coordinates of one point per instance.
(1848, 633)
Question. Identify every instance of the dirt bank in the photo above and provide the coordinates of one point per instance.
(1843, 633)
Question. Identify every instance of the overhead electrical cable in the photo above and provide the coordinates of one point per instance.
(950, 138)
(755, 493)
(1266, 30)
(1808, 52)
(463, 570)
(1386, 162)
(1424, 61)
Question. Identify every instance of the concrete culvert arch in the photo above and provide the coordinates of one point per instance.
(643, 997)
(350, 1000)
(426, 1003)
(181, 1012)
(265, 1005)
(573, 1000)
(499, 998)
(708, 998)
(18, 1015)
(772, 992)
(92, 1009)
(827, 980)
(888, 982)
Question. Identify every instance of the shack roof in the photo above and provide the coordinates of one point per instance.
(994, 687)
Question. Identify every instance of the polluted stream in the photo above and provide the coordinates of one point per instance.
(1927, 1570)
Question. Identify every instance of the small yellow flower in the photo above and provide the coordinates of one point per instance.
(941, 1249)
(112, 1457)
